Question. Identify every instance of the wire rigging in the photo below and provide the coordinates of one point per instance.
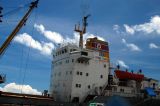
(28, 54)
(15, 10)
(16, 31)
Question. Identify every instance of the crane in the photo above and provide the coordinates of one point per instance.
(15, 31)
(18, 27)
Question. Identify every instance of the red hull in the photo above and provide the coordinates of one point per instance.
(128, 75)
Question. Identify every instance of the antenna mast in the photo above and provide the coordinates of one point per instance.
(82, 31)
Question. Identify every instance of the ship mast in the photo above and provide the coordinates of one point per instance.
(82, 31)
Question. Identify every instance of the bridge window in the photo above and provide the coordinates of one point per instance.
(84, 53)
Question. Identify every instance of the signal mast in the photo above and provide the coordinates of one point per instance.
(82, 31)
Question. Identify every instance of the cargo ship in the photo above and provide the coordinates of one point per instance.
(82, 73)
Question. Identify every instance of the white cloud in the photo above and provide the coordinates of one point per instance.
(123, 41)
(16, 88)
(52, 36)
(88, 35)
(129, 30)
(56, 37)
(153, 46)
(116, 28)
(27, 40)
(131, 46)
(122, 64)
(152, 26)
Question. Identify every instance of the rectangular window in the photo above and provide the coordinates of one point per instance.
(84, 53)
(65, 50)
(77, 72)
(89, 86)
(104, 65)
(77, 85)
(62, 51)
(70, 50)
(101, 76)
(81, 73)
(67, 61)
(87, 74)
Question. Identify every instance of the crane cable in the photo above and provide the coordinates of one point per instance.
(11, 12)
(27, 61)
(15, 10)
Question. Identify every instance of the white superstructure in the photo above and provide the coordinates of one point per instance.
(77, 73)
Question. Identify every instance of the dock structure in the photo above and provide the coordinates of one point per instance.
(10, 99)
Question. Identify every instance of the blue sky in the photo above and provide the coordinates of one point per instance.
(132, 27)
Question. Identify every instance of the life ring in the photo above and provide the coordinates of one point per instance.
(99, 46)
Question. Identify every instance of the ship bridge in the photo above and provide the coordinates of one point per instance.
(83, 57)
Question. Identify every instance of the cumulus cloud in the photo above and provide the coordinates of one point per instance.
(153, 46)
(129, 29)
(17, 88)
(116, 28)
(56, 37)
(149, 27)
(27, 40)
(131, 46)
(52, 36)
(122, 64)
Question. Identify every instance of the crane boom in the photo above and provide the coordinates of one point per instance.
(18, 27)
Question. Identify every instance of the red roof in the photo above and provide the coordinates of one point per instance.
(128, 75)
